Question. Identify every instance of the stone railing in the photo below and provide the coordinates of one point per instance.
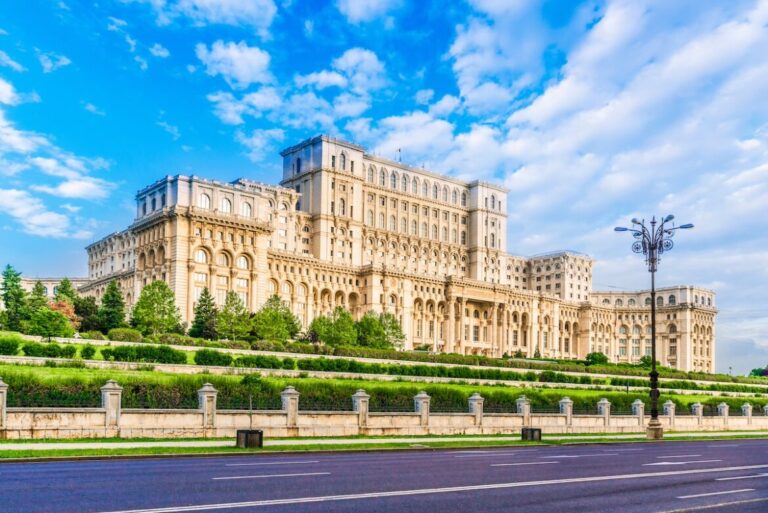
(207, 420)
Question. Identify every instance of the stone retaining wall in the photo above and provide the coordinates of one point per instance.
(111, 420)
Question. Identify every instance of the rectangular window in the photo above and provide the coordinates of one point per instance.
(475, 333)
(623, 347)
(673, 347)
(636, 347)
(201, 277)
(222, 280)
(242, 283)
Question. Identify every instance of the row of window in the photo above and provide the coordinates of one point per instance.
(222, 259)
(225, 205)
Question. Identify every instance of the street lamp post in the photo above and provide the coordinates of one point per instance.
(652, 243)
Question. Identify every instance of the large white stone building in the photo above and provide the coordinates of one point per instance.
(348, 228)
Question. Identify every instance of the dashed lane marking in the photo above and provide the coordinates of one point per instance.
(711, 494)
(225, 478)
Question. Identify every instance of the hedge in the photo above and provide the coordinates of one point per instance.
(49, 350)
(210, 357)
(9, 344)
(124, 335)
(87, 352)
(93, 335)
(150, 354)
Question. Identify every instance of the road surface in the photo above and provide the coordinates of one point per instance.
(725, 476)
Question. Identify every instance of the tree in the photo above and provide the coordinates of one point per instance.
(88, 312)
(759, 372)
(646, 361)
(233, 320)
(14, 299)
(519, 354)
(65, 291)
(112, 309)
(596, 358)
(204, 324)
(336, 330)
(156, 311)
(392, 330)
(66, 309)
(49, 323)
(537, 353)
(38, 298)
(370, 331)
(275, 321)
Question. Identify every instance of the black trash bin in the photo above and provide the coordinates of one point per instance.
(531, 434)
(250, 438)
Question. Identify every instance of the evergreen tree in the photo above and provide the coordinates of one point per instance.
(275, 321)
(65, 292)
(233, 320)
(156, 311)
(88, 312)
(112, 309)
(49, 323)
(204, 324)
(14, 299)
(38, 298)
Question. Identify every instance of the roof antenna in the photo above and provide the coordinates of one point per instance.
(400, 155)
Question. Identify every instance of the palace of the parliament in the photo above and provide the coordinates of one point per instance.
(348, 228)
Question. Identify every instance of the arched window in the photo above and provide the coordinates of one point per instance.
(463, 237)
(606, 301)
(619, 302)
(242, 262)
(383, 178)
(453, 236)
(425, 189)
(405, 183)
(154, 204)
(463, 199)
(672, 300)
(298, 166)
(343, 159)
(493, 201)
(623, 330)
(392, 223)
(434, 231)
(414, 228)
(226, 205)
(424, 230)
(201, 257)
(144, 208)
(246, 210)
(371, 174)
(647, 301)
(445, 234)
(672, 328)
(393, 181)
(342, 207)
(205, 201)
(493, 240)
(435, 191)
(370, 218)
(445, 194)
(415, 188)
(404, 225)
(222, 260)
(283, 206)
(381, 220)
(333, 161)
(659, 301)
(631, 302)
(455, 196)
(709, 301)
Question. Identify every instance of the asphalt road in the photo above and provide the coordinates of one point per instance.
(722, 477)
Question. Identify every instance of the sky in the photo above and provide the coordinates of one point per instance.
(590, 112)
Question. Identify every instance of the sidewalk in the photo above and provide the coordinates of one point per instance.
(276, 442)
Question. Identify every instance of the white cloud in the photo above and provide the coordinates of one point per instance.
(142, 62)
(322, 79)
(357, 11)
(239, 64)
(82, 187)
(5, 60)
(71, 208)
(52, 61)
(116, 24)
(230, 110)
(424, 96)
(259, 142)
(160, 51)
(363, 69)
(171, 129)
(93, 109)
(309, 28)
(445, 106)
(8, 94)
(32, 214)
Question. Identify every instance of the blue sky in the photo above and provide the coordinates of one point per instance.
(591, 112)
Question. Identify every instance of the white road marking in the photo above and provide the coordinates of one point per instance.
(715, 493)
(480, 455)
(224, 478)
(523, 463)
(715, 506)
(681, 456)
(580, 455)
(624, 450)
(427, 491)
(271, 463)
(724, 445)
(661, 463)
(751, 476)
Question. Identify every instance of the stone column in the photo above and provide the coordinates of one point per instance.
(566, 408)
(450, 337)
(492, 332)
(360, 406)
(290, 399)
(421, 405)
(206, 400)
(669, 410)
(3, 403)
(111, 400)
(698, 410)
(722, 411)
(524, 409)
(604, 409)
(765, 410)
(746, 410)
(638, 409)
(476, 406)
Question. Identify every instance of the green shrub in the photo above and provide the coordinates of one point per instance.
(260, 361)
(93, 335)
(67, 351)
(87, 352)
(9, 345)
(43, 350)
(150, 354)
(211, 357)
(124, 335)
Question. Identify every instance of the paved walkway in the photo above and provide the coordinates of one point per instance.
(49, 446)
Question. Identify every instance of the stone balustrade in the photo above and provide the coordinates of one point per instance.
(112, 420)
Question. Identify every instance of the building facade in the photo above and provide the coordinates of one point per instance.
(347, 228)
